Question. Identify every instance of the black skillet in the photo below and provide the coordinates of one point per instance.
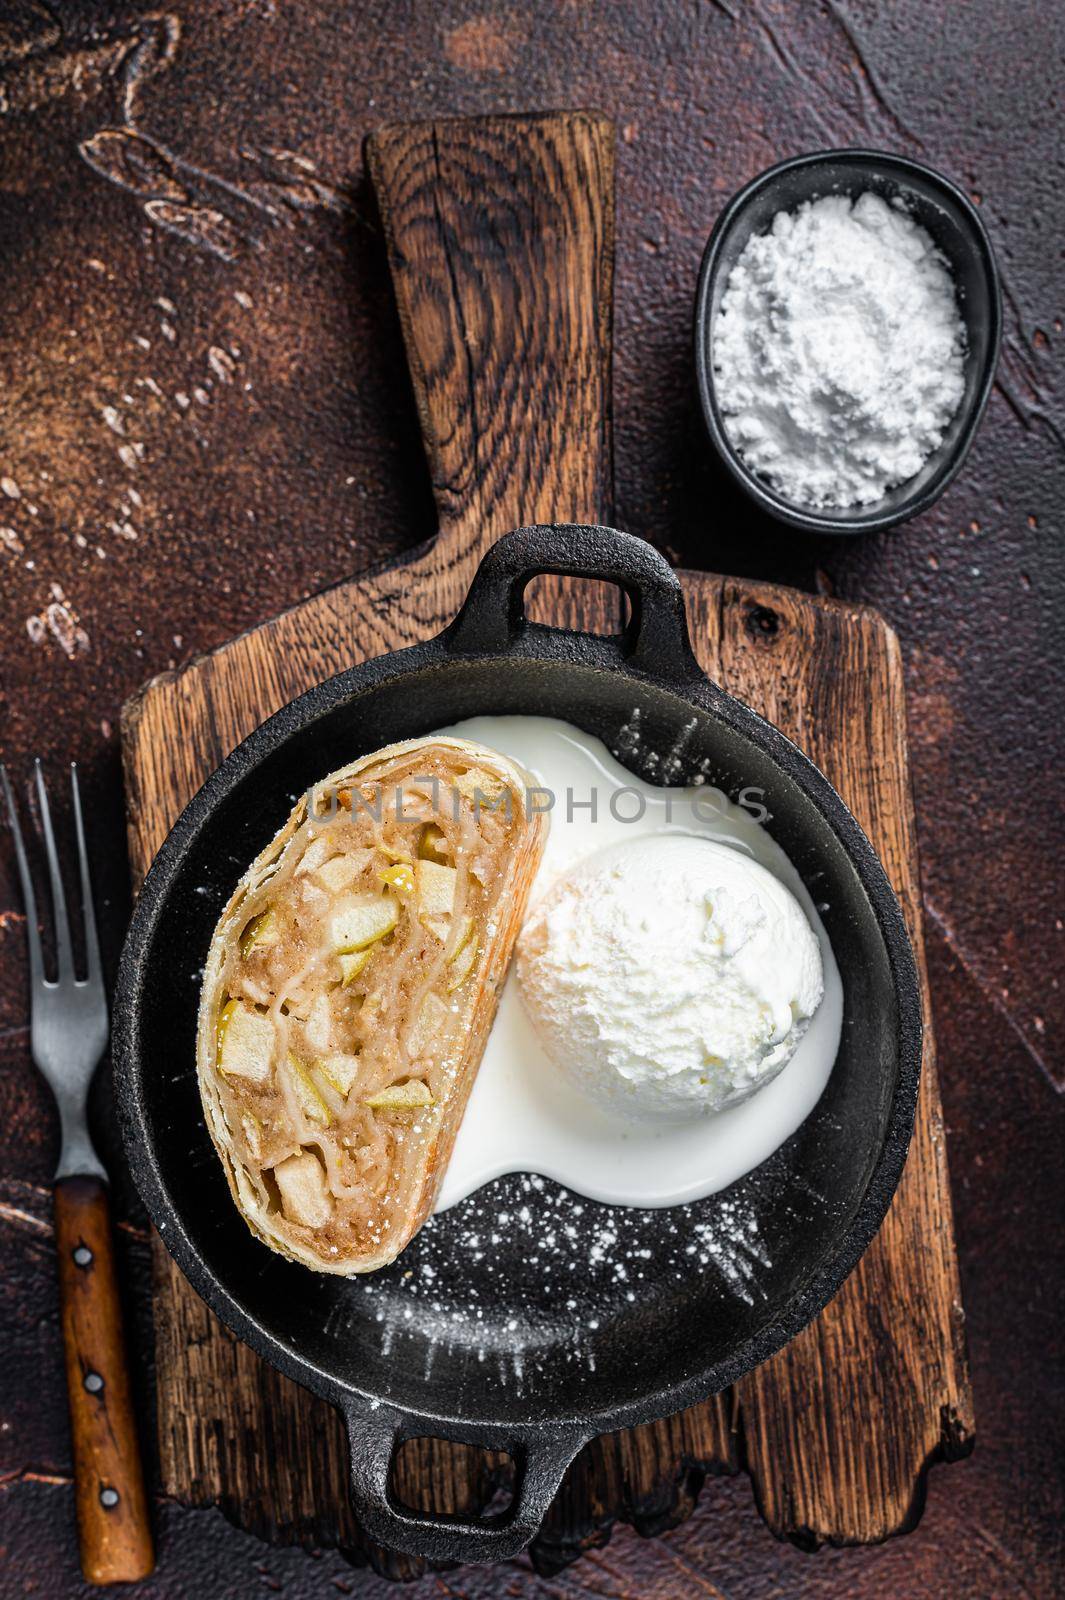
(564, 1348)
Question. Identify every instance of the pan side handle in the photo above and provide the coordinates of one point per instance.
(541, 1459)
(656, 641)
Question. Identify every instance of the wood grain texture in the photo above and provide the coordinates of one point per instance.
(501, 241)
(840, 1425)
(500, 238)
(114, 1533)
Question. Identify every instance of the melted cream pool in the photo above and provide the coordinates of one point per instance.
(523, 1116)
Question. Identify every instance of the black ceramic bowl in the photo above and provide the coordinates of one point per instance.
(520, 1346)
(947, 215)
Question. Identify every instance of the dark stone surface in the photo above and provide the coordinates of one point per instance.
(182, 209)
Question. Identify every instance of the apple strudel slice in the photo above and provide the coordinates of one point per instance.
(349, 990)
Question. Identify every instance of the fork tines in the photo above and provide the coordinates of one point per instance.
(65, 973)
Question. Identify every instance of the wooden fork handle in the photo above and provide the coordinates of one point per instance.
(114, 1534)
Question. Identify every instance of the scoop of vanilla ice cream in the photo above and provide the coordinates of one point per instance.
(669, 974)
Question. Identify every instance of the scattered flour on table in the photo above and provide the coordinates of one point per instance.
(838, 351)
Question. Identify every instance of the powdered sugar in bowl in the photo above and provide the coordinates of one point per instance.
(877, 442)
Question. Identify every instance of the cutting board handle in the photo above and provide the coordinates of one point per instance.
(500, 234)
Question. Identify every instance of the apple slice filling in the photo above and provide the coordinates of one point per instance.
(350, 989)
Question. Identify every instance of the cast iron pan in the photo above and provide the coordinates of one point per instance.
(482, 1331)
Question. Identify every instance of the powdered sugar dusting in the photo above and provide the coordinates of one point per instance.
(839, 350)
(525, 1266)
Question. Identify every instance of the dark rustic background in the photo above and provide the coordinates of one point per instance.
(205, 415)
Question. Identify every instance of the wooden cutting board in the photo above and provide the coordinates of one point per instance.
(500, 236)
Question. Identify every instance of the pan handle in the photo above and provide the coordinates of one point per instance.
(540, 1460)
(492, 619)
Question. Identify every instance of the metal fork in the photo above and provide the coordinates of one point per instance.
(68, 1036)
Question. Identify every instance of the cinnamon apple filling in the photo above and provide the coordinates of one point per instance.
(350, 988)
